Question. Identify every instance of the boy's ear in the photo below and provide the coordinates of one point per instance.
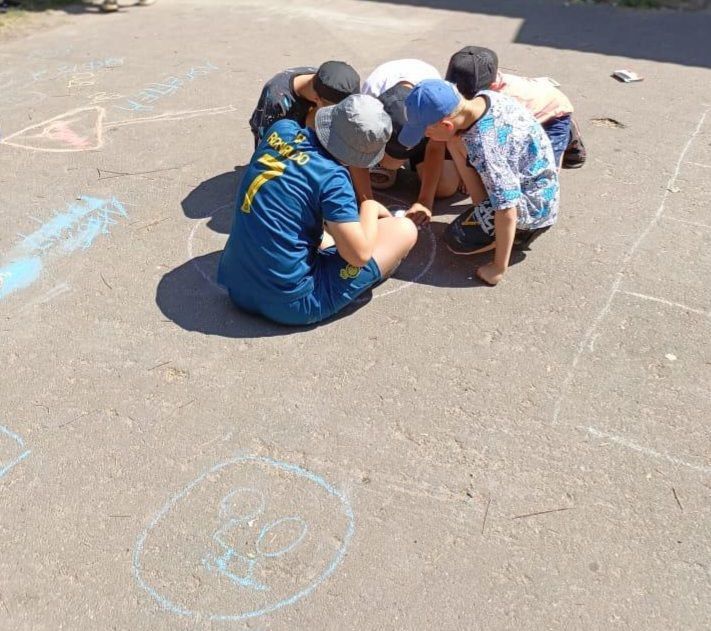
(448, 124)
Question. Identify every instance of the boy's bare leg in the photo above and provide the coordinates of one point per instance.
(326, 241)
(449, 181)
(396, 237)
(472, 181)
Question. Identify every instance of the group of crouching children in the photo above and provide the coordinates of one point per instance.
(308, 237)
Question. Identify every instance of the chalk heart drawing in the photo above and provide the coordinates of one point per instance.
(82, 129)
(248, 537)
(203, 240)
(12, 451)
(76, 130)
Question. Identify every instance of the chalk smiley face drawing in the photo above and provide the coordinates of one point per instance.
(242, 551)
(246, 538)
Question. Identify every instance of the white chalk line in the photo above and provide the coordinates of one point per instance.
(426, 268)
(174, 116)
(621, 440)
(403, 285)
(699, 164)
(55, 292)
(591, 332)
(688, 223)
(428, 264)
(663, 301)
(191, 255)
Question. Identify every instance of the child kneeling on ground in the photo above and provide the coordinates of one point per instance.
(514, 180)
(474, 68)
(277, 261)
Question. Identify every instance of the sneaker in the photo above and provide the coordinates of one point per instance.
(575, 154)
(466, 236)
(109, 6)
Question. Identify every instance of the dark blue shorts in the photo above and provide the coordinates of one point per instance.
(336, 285)
(558, 130)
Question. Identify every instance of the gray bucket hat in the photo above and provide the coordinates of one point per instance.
(354, 131)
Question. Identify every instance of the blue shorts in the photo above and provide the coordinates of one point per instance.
(336, 285)
(558, 130)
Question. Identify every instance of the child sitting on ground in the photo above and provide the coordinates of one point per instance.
(278, 262)
(514, 180)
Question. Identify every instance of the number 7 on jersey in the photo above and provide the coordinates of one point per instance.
(275, 168)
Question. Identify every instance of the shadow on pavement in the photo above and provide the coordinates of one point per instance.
(457, 271)
(215, 198)
(189, 297)
(680, 37)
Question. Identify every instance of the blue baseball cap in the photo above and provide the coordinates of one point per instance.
(429, 102)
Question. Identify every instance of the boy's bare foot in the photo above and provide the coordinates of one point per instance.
(489, 274)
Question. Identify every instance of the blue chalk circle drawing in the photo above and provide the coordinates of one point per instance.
(12, 444)
(249, 536)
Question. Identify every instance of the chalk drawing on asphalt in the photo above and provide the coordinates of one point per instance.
(82, 129)
(155, 91)
(246, 538)
(74, 229)
(12, 451)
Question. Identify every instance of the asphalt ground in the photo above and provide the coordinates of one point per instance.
(446, 455)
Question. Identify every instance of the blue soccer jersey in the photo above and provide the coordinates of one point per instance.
(289, 189)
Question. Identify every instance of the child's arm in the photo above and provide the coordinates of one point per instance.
(472, 181)
(355, 240)
(505, 226)
(364, 190)
(421, 211)
(361, 183)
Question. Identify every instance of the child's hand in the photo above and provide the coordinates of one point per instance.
(419, 214)
(490, 274)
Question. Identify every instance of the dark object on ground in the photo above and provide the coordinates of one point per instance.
(6, 4)
(575, 154)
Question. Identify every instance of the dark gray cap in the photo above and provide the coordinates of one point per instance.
(472, 69)
(335, 80)
(354, 131)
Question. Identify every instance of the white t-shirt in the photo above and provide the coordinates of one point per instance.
(386, 75)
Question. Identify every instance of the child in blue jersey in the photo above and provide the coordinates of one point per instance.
(504, 159)
(277, 262)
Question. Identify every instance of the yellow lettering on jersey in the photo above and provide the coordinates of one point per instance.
(275, 168)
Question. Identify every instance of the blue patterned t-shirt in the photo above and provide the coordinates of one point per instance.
(514, 158)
